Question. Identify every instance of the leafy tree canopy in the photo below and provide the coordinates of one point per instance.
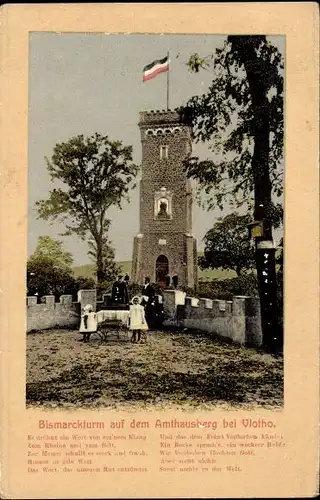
(49, 269)
(247, 88)
(94, 173)
(227, 245)
(52, 249)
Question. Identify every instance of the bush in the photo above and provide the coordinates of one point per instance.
(81, 283)
(245, 284)
(46, 278)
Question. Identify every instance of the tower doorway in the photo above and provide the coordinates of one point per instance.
(162, 269)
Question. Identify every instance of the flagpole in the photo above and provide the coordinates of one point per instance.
(168, 82)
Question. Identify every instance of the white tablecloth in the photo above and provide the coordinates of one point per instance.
(113, 316)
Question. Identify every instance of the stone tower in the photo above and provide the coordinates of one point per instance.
(165, 245)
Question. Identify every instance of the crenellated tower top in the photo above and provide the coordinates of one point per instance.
(160, 116)
(157, 123)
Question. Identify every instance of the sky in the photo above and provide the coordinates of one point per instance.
(87, 83)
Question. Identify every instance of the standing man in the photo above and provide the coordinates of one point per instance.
(119, 294)
(148, 301)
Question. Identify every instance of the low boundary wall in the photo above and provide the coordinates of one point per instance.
(238, 320)
(62, 314)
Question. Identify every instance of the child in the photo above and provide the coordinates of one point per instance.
(89, 322)
(136, 319)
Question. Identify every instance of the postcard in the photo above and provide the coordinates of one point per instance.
(159, 250)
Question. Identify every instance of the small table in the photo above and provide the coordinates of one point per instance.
(111, 317)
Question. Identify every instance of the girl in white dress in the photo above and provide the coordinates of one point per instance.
(136, 320)
(88, 323)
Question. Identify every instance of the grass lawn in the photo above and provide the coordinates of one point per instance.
(185, 370)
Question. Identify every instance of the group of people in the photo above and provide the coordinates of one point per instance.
(119, 293)
(141, 311)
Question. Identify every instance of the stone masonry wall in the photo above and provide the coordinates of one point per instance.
(179, 221)
(238, 320)
(164, 128)
(62, 314)
(173, 250)
(50, 314)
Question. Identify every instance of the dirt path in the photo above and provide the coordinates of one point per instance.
(183, 370)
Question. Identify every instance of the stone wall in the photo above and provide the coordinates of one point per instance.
(86, 297)
(159, 116)
(180, 221)
(62, 314)
(238, 320)
(50, 314)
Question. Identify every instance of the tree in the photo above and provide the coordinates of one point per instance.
(53, 249)
(111, 269)
(96, 174)
(227, 245)
(243, 114)
(279, 257)
(49, 269)
(279, 260)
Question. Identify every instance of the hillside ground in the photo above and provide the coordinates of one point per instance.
(186, 370)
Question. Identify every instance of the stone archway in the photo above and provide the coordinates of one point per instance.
(162, 269)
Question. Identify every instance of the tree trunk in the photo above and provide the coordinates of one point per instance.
(265, 253)
(100, 266)
(238, 271)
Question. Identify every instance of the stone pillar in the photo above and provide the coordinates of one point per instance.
(169, 304)
(48, 300)
(171, 300)
(32, 301)
(206, 304)
(253, 322)
(239, 319)
(66, 300)
(86, 297)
